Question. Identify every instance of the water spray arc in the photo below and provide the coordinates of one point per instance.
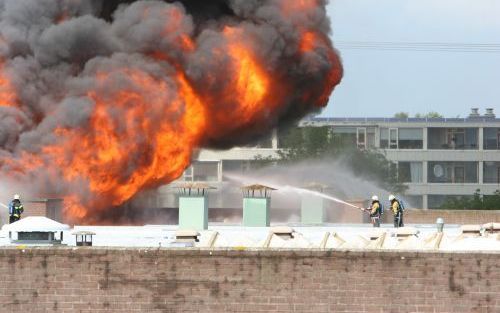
(318, 194)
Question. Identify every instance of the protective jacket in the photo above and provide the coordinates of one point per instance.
(16, 208)
(395, 207)
(375, 209)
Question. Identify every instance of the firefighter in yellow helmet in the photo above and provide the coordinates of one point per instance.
(375, 211)
(397, 211)
(15, 209)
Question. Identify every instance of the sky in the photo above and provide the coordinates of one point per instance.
(379, 82)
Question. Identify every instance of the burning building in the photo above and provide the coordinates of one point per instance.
(100, 100)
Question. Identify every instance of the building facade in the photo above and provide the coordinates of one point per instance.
(435, 157)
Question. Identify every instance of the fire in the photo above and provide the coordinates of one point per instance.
(114, 141)
(8, 95)
(308, 42)
(298, 6)
(251, 83)
(145, 110)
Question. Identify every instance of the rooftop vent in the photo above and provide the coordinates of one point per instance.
(471, 230)
(256, 205)
(83, 238)
(376, 234)
(474, 112)
(187, 235)
(193, 206)
(283, 232)
(36, 230)
(492, 228)
(405, 232)
(489, 113)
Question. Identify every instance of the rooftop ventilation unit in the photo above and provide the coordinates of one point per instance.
(83, 238)
(185, 238)
(474, 112)
(283, 232)
(471, 230)
(193, 206)
(492, 228)
(489, 113)
(256, 205)
(405, 232)
(312, 208)
(36, 230)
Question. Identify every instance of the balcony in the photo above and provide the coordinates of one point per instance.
(401, 138)
(453, 138)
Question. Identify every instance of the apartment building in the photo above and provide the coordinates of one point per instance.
(435, 157)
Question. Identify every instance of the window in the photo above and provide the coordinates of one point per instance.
(384, 138)
(393, 138)
(389, 138)
(491, 172)
(370, 137)
(361, 137)
(491, 139)
(411, 138)
(202, 171)
(345, 136)
(206, 171)
(453, 138)
(410, 172)
(453, 172)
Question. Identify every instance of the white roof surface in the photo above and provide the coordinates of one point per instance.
(331, 236)
(35, 224)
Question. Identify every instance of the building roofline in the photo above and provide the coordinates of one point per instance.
(399, 120)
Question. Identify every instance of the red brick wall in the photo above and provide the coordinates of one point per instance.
(453, 216)
(35, 209)
(133, 280)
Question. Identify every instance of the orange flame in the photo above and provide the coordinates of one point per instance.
(143, 133)
(8, 95)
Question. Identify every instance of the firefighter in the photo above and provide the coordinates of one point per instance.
(375, 211)
(397, 211)
(15, 209)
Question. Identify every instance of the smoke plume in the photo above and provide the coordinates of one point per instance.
(100, 99)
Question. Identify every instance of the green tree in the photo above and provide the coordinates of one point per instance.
(401, 115)
(306, 143)
(477, 201)
(429, 115)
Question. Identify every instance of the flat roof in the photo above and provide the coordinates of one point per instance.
(472, 120)
(326, 236)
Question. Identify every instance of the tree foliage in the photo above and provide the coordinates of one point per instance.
(431, 114)
(306, 143)
(401, 115)
(477, 201)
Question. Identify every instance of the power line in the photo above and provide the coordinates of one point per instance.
(420, 46)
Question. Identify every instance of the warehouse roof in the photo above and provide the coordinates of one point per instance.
(328, 236)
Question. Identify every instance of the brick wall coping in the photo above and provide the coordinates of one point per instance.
(453, 211)
(206, 252)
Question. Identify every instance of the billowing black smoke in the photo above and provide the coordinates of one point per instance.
(96, 96)
(200, 10)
